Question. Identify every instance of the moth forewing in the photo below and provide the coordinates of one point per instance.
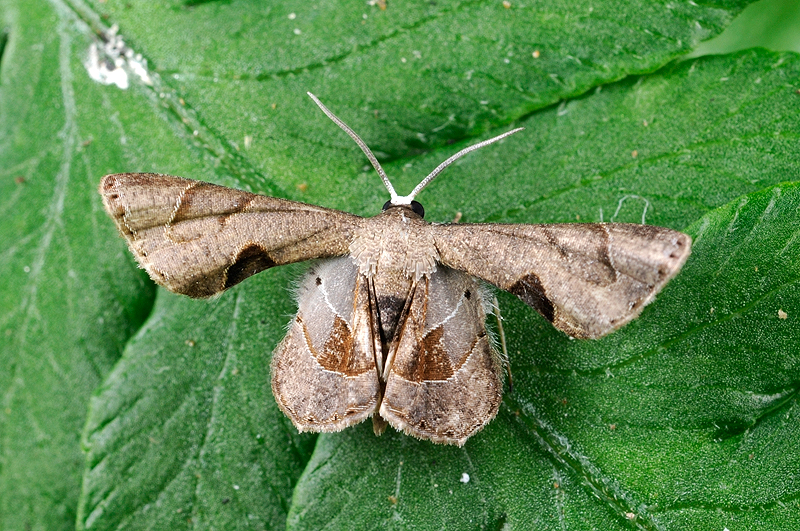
(587, 279)
(200, 239)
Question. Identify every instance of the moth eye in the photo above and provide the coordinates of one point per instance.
(468, 294)
(319, 281)
(417, 208)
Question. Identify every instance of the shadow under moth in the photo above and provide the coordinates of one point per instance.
(390, 320)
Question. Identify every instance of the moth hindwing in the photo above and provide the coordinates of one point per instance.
(390, 323)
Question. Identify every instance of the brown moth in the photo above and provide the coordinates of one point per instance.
(391, 317)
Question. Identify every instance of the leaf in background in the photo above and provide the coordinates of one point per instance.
(70, 296)
(771, 24)
(416, 75)
(562, 167)
(685, 419)
(188, 419)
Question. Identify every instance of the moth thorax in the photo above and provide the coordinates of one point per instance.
(365, 256)
(395, 242)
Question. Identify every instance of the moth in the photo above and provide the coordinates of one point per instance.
(390, 320)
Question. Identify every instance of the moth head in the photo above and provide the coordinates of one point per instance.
(415, 207)
(406, 200)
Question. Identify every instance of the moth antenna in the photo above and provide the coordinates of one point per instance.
(407, 199)
(361, 144)
(396, 199)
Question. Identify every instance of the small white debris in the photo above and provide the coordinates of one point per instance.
(782, 314)
(110, 60)
(464, 478)
(292, 16)
(106, 71)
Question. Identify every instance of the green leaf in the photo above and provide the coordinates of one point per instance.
(685, 419)
(418, 74)
(69, 297)
(186, 416)
(769, 23)
(608, 419)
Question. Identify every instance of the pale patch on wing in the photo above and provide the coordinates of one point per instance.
(444, 383)
(323, 372)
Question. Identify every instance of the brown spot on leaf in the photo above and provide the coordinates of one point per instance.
(529, 288)
(250, 260)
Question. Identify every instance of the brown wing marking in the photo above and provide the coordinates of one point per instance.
(428, 359)
(529, 288)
